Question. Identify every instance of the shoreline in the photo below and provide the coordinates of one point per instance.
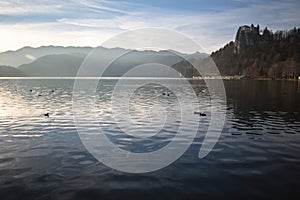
(140, 78)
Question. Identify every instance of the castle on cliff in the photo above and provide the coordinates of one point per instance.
(246, 36)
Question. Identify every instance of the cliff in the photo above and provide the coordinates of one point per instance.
(245, 37)
(257, 53)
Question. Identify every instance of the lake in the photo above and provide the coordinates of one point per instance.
(256, 157)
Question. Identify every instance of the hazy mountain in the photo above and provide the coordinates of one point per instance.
(196, 55)
(54, 65)
(29, 54)
(186, 68)
(68, 64)
(65, 61)
(6, 71)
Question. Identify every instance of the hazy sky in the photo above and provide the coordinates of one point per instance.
(211, 23)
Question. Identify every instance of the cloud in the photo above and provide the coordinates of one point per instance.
(87, 22)
(101, 6)
(91, 23)
(30, 57)
(38, 34)
(20, 7)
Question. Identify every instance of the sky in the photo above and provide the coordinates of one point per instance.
(210, 23)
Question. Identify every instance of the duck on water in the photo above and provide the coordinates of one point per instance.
(199, 113)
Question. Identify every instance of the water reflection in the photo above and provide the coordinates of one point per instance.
(249, 97)
(257, 155)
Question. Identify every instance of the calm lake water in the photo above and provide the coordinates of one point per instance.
(256, 157)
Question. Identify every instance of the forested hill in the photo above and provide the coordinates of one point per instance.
(261, 53)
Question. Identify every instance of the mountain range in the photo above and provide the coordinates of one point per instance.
(255, 53)
(56, 61)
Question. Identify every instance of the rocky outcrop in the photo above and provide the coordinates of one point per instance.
(255, 54)
(246, 36)
(258, 53)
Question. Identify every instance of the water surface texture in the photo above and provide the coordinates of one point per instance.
(257, 155)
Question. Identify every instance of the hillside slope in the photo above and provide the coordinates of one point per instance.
(6, 71)
(27, 55)
(258, 53)
(254, 54)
